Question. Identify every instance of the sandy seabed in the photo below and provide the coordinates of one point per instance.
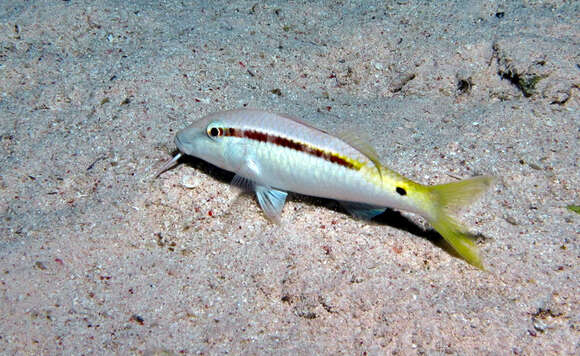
(97, 258)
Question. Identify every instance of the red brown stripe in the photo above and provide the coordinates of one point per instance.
(288, 143)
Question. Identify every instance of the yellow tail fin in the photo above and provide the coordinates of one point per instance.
(448, 198)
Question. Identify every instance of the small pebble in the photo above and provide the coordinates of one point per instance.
(511, 220)
(189, 181)
(540, 325)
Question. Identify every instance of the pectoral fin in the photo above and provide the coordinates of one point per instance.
(245, 184)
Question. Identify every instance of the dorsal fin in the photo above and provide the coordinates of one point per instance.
(302, 122)
(362, 144)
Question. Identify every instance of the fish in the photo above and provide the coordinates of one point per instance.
(272, 154)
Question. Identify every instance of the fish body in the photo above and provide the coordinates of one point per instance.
(272, 154)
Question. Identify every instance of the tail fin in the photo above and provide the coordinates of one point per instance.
(448, 198)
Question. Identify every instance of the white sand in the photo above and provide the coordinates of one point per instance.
(97, 259)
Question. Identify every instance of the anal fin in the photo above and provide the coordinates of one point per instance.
(362, 210)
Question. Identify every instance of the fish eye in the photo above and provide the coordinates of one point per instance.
(214, 131)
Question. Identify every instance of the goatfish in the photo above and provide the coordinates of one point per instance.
(272, 154)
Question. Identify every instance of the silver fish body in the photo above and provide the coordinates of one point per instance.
(272, 154)
(284, 153)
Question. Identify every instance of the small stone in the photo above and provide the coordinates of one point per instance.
(540, 325)
(511, 220)
(189, 181)
(41, 266)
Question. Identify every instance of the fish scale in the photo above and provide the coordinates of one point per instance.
(273, 154)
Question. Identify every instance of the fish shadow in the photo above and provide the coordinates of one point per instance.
(394, 219)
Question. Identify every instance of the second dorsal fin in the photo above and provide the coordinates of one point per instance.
(362, 144)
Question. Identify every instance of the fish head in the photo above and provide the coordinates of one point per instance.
(203, 140)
